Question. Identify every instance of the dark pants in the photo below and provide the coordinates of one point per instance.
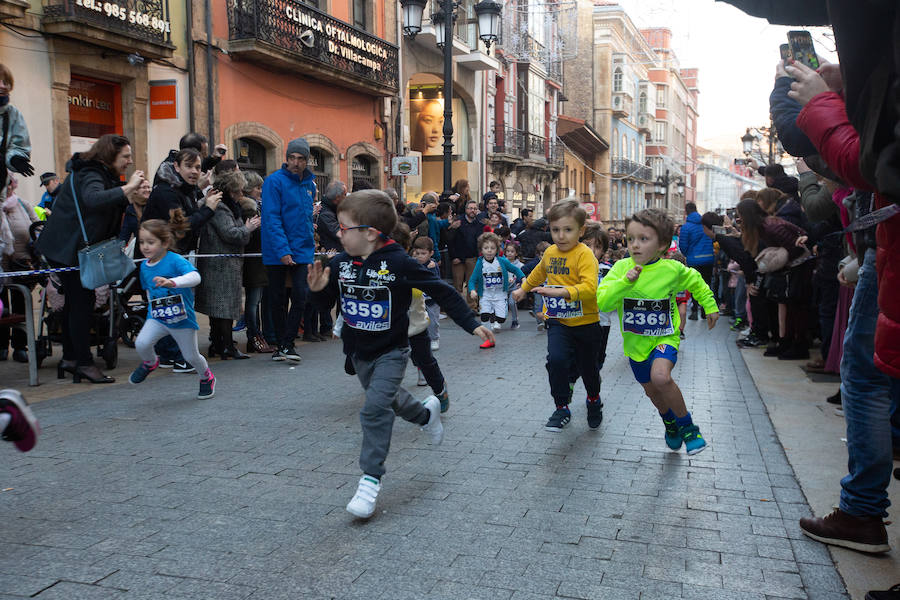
(706, 271)
(420, 346)
(317, 318)
(168, 350)
(15, 304)
(77, 315)
(827, 299)
(567, 346)
(602, 341)
(265, 317)
(759, 309)
(287, 323)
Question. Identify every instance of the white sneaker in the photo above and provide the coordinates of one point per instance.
(434, 427)
(362, 504)
(421, 380)
(435, 345)
(496, 326)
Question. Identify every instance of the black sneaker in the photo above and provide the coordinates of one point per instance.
(207, 387)
(692, 316)
(278, 354)
(559, 419)
(290, 353)
(166, 363)
(891, 594)
(183, 366)
(594, 414)
(834, 398)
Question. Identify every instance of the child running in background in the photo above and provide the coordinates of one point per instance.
(429, 372)
(512, 255)
(168, 278)
(597, 240)
(537, 308)
(642, 289)
(490, 282)
(373, 278)
(570, 305)
(423, 251)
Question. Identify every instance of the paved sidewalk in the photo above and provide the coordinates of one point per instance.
(147, 493)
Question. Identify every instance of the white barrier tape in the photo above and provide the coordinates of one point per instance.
(11, 274)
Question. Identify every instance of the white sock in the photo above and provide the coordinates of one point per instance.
(5, 418)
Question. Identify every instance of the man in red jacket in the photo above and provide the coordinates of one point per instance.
(866, 391)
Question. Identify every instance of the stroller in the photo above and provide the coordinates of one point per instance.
(114, 314)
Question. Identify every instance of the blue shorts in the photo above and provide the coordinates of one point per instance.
(641, 369)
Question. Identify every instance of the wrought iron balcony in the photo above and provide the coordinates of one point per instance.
(515, 145)
(623, 167)
(291, 35)
(509, 141)
(128, 25)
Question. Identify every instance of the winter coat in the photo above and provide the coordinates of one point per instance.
(530, 238)
(784, 114)
(174, 192)
(219, 292)
(17, 143)
(165, 168)
(254, 270)
(693, 243)
(817, 201)
(824, 119)
(327, 226)
(20, 215)
(388, 267)
(792, 212)
(287, 217)
(778, 232)
(465, 243)
(102, 203)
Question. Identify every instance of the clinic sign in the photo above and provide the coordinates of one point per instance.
(303, 30)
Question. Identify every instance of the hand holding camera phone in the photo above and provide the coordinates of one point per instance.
(802, 49)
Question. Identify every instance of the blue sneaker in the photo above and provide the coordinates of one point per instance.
(673, 437)
(559, 419)
(693, 441)
(240, 326)
(143, 369)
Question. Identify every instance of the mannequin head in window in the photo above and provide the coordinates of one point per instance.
(428, 128)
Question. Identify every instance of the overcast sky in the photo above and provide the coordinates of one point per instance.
(736, 55)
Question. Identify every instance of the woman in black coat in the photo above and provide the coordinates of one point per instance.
(95, 178)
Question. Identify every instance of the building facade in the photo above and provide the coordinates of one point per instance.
(720, 182)
(672, 151)
(84, 68)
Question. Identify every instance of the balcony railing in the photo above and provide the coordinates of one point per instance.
(623, 167)
(526, 145)
(298, 30)
(145, 20)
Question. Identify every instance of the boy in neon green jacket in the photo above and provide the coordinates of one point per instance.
(642, 289)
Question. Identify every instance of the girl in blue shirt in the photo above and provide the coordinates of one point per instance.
(168, 278)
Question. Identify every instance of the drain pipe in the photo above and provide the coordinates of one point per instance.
(210, 112)
(192, 76)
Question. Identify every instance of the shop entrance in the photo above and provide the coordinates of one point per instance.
(320, 163)
(362, 172)
(251, 156)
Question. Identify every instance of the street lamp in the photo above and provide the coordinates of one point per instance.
(488, 13)
(662, 183)
(747, 139)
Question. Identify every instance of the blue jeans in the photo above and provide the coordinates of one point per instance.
(740, 298)
(867, 395)
(267, 326)
(287, 322)
(252, 298)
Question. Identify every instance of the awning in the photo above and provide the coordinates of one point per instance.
(580, 137)
(785, 12)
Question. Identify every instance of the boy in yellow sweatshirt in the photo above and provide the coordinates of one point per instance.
(569, 269)
(642, 288)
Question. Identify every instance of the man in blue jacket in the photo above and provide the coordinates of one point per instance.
(288, 245)
(697, 249)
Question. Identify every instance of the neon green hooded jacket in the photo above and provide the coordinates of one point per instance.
(648, 315)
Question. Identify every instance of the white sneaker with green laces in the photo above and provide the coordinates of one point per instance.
(433, 427)
(362, 504)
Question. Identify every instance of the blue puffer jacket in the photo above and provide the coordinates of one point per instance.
(693, 243)
(287, 217)
(784, 112)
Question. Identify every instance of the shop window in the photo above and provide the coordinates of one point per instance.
(320, 163)
(251, 156)
(363, 171)
(95, 109)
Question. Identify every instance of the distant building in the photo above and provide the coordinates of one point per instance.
(720, 182)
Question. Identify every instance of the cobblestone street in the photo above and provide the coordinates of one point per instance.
(140, 493)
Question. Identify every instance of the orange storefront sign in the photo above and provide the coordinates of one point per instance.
(95, 107)
(163, 103)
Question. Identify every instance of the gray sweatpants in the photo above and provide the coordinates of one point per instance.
(434, 318)
(381, 379)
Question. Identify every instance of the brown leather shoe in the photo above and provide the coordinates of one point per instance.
(866, 534)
